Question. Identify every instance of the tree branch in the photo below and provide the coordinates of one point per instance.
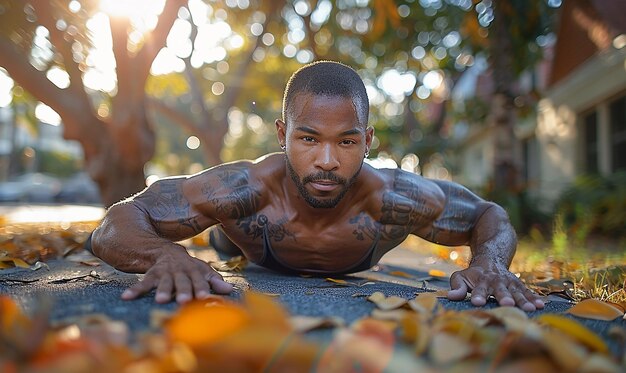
(153, 44)
(187, 123)
(35, 82)
(119, 35)
(44, 12)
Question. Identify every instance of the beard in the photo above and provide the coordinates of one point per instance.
(314, 202)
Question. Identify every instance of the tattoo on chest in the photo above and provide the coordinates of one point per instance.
(233, 197)
(166, 203)
(364, 227)
(404, 208)
(255, 225)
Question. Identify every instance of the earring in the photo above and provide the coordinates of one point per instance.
(283, 147)
(367, 153)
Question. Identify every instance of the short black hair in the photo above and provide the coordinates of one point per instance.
(328, 78)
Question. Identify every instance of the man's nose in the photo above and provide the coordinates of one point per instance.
(326, 158)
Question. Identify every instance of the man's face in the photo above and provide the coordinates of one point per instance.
(325, 147)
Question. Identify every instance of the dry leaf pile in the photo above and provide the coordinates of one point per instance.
(25, 246)
(257, 334)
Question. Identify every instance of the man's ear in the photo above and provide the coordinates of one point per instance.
(281, 132)
(369, 136)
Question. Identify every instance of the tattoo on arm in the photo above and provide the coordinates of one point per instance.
(232, 196)
(166, 204)
(404, 208)
(255, 225)
(459, 214)
(365, 227)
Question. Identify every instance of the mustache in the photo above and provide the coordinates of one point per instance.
(324, 175)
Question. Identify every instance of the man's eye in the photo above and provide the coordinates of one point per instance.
(348, 142)
(308, 139)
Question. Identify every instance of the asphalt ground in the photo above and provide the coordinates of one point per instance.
(75, 290)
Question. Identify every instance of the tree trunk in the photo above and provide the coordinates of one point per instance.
(502, 112)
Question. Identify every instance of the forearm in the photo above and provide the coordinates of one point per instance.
(493, 240)
(127, 240)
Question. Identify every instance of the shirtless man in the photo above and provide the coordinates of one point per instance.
(315, 208)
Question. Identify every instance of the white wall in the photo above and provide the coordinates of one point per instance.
(594, 82)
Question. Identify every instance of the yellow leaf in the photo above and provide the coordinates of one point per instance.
(337, 281)
(200, 323)
(563, 350)
(415, 330)
(424, 303)
(575, 330)
(595, 309)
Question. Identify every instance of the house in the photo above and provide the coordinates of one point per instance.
(580, 122)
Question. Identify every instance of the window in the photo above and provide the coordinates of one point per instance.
(590, 140)
(617, 112)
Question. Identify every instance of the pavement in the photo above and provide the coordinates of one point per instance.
(75, 289)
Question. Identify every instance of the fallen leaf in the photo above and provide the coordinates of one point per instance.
(575, 330)
(201, 323)
(386, 303)
(599, 364)
(236, 263)
(304, 324)
(367, 346)
(272, 295)
(595, 309)
(7, 262)
(337, 281)
(564, 351)
(401, 274)
(424, 303)
(389, 315)
(436, 273)
(39, 265)
(448, 348)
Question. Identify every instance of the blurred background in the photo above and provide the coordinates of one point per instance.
(523, 101)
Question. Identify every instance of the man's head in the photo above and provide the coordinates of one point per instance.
(324, 131)
(327, 78)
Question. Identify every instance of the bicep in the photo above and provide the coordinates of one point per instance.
(170, 206)
(457, 219)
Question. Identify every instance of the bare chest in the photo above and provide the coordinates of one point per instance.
(334, 247)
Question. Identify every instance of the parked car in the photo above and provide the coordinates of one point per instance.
(79, 188)
(30, 187)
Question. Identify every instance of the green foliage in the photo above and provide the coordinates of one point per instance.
(595, 204)
(58, 163)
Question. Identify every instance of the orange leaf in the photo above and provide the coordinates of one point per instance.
(400, 274)
(264, 310)
(596, 309)
(436, 273)
(200, 323)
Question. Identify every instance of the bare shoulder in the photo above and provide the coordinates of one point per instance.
(233, 190)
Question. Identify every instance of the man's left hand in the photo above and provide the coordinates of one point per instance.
(486, 280)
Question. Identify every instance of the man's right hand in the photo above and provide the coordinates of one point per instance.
(177, 274)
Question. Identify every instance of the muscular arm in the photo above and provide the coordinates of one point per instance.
(139, 234)
(449, 214)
